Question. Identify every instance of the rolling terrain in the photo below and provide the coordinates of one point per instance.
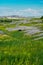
(21, 41)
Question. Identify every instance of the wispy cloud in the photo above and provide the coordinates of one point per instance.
(5, 11)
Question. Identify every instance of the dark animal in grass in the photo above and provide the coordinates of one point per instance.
(19, 30)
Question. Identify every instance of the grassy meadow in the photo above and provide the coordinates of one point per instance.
(21, 46)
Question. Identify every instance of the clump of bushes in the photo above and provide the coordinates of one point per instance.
(41, 17)
(5, 20)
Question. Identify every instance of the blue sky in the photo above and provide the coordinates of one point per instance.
(21, 7)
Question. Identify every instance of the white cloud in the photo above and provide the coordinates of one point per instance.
(29, 10)
(32, 12)
(26, 12)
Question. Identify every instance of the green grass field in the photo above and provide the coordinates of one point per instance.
(19, 48)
